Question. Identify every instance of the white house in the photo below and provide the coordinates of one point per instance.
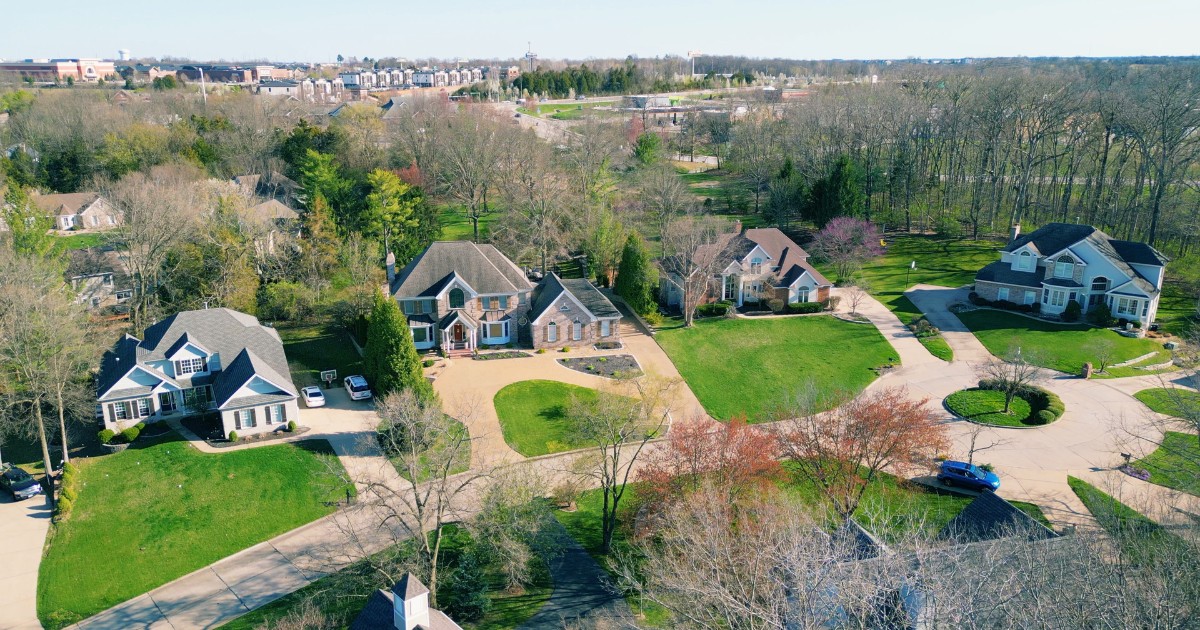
(1064, 262)
(405, 607)
(198, 361)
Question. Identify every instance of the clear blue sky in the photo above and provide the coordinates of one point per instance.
(318, 30)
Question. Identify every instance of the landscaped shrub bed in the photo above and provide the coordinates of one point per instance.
(490, 356)
(1033, 406)
(1005, 305)
(714, 309)
(615, 366)
(805, 307)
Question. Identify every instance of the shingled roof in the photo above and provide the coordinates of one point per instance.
(482, 267)
(791, 259)
(1055, 237)
(989, 517)
(587, 294)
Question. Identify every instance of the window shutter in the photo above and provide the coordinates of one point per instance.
(503, 301)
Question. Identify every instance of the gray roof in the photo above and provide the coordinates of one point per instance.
(1062, 282)
(1002, 272)
(95, 261)
(588, 295)
(482, 267)
(377, 613)
(791, 259)
(1139, 253)
(989, 517)
(1055, 237)
(409, 587)
(246, 348)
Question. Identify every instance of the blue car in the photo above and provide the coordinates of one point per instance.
(967, 476)
(19, 484)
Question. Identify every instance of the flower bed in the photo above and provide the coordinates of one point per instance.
(492, 356)
(615, 366)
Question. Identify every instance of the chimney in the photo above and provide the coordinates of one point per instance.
(410, 603)
(1015, 233)
(737, 226)
(391, 268)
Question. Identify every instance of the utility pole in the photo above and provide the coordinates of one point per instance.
(530, 55)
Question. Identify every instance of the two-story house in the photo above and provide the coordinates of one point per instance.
(1064, 262)
(763, 264)
(99, 278)
(78, 211)
(459, 296)
(198, 361)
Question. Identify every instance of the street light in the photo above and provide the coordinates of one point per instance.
(908, 275)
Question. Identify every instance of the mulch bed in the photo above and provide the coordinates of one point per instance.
(512, 354)
(209, 428)
(608, 366)
(608, 345)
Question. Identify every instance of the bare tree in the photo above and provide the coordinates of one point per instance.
(590, 151)
(619, 422)
(857, 292)
(1105, 351)
(695, 250)
(468, 150)
(538, 196)
(1011, 374)
(513, 524)
(662, 196)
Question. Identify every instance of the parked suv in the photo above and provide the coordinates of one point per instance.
(967, 475)
(19, 484)
(357, 387)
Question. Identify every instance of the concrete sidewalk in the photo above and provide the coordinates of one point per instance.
(24, 525)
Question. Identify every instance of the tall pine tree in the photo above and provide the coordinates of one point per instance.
(637, 279)
(390, 361)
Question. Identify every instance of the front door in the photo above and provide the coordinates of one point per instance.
(460, 333)
(166, 402)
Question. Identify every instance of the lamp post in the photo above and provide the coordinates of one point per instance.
(908, 274)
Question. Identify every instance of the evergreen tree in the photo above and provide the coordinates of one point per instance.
(637, 278)
(390, 361)
(390, 207)
(838, 194)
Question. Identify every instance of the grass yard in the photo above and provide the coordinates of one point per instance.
(316, 347)
(341, 596)
(1139, 537)
(457, 227)
(750, 366)
(457, 434)
(79, 241)
(1175, 463)
(162, 509)
(987, 407)
(533, 416)
(1062, 347)
(1171, 402)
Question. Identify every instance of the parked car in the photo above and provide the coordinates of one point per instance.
(19, 484)
(357, 387)
(313, 397)
(969, 476)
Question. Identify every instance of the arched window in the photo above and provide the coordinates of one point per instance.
(1099, 283)
(551, 332)
(1064, 267)
(1025, 261)
(756, 266)
(576, 331)
(457, 298)
(802, 294)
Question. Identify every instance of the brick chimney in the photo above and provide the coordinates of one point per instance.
(1014, 233)
(737, 226)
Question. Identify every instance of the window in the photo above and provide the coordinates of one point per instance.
(1065, 267)
(802, 294)
(1127, 306)
(1099, 283)
(276, 414)
(419, 307)
(108, 279)
(521, 299)
(496, 330)
(605, 328)
(1002, 294)
(420, 334)
(457, 298)
(552, 332)
(143, 407)
(1025, 261)
(408, 307)
(119, 411)
(1058, 298)
(166, 401)
(576, 331)
(564, 307)
(731, 287)
(1145, 308)
(1030, 297)
(124, 296)
(756, 266)
(198, 397)
(190, 366)
(491, 303)
(244, 419)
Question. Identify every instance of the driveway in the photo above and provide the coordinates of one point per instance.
(24, 525)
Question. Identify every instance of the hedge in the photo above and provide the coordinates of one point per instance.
(1039, 400)
(1004, 305)
(714, 309)
(805, 307)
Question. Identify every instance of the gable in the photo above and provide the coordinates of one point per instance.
(555, 306)
(758, 252)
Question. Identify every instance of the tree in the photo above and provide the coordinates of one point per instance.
(1105, 351)
(663, 196)
(847, 243)
(514, 525)
(319, 247)
(536, 224)
(29, 227)
(1011, 374)
(619, 422)
(857, 293)
(389, 206)
(215, 266)
(603, 241)
(321, 178)
(844, 450)
(838, 194)
(695, 249)
(648, 148)
(637, 278)
(426, 446)
(390, 361)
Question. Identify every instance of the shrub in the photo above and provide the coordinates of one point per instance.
(427, 363)
(68, 493)
(831, 303)
(805, 307)
(776, 305)
(233, 436)
(1005, 304)
(1137, 325)
(987, 467)
(541, 351)
(106, 436)
(974, 298)
(64, 507)
(131, 434)
(565, 349)
(1072, 312)
(291, 426)
(141, 426)
(1045, 416)
(1101, 315)
(714, 309)
(653, 318)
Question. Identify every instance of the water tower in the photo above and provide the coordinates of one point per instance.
(123, 54)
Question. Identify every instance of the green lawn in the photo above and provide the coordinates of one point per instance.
(1062, 347)
(457, 227)
(1140, 538)
(162, 509)
(455, 436)
(79, 241)
(1177, 306)
(906, 311)
(312, 348)
(987, 407)
(1175, 463)
(1176, 402)
(751, 366)
(533, 416)
(341, 596)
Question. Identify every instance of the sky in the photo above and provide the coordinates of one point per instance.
(319, 30)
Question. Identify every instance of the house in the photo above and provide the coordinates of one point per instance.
(460, 296)
(405, 607)
(279, 88)
(571, 312)
(99, 278)
(78, 211)
(763, 265)
(1064, 262)
(272, 217)
(197, 361)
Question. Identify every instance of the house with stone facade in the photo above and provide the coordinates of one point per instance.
(761, 265)
(461, 296)
(78, 211)
(199, 361)
(1064, 262)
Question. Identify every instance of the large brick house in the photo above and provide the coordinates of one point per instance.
(460, 296)
(1064, 262)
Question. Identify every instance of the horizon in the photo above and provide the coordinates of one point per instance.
(865, 30)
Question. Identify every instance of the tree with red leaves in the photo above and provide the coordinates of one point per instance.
(847, 243)
(843, 450)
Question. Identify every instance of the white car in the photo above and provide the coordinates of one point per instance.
(357, 387)
(313, 397)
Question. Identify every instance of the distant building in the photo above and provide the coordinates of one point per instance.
(99, 278)
(89, 70)
(78, 211)
(279, 88)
